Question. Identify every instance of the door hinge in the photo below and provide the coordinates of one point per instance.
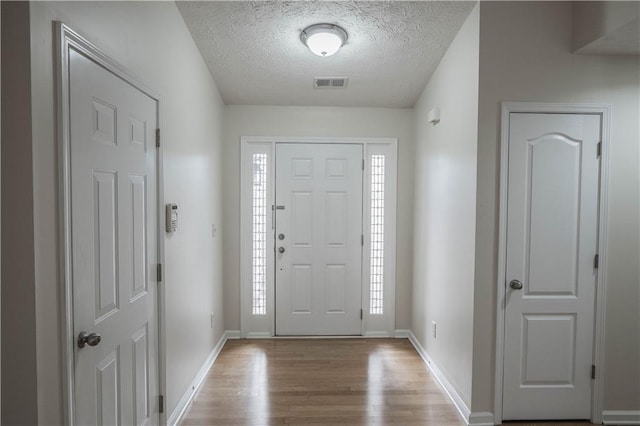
(362, 240)
(599, 150)
(157, 138)
(593, 371)
(161, 400)
(360, 313)
(596, 261)
(363, 164)
(159, 272)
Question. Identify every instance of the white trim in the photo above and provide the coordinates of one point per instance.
(621, 417)
(258, 335)
(376, 334)
(402, 334)
(598, 359)
(483, 418)
(451, 392)
(261, 326)
(67, 39)
(193, 388)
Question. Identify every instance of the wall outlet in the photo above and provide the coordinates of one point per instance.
(212, 318)
(433, 329)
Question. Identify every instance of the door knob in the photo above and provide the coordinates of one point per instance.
(515, 284)
(281, 236)
(85, 338)
(280, 249)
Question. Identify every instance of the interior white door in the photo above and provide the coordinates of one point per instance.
(550, 273)
(114, 246)
(318, 239)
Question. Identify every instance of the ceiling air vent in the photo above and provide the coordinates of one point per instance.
(330, 82)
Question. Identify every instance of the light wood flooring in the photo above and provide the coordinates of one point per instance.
(321, 382)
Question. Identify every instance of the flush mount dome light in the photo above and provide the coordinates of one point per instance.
(324, 39)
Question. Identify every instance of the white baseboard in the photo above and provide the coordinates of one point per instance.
(233, 334)
(376, 334)
(402, 334)
(482, 418)
(462, 408)
(182, 405)
(259, 335)
(619, 417)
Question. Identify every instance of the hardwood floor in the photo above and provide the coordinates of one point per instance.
(321, 382)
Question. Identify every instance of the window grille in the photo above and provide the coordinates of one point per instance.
(376, 280)
(259, 235)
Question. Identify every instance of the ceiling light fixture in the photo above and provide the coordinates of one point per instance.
(324, 39)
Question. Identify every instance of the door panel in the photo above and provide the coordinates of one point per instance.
(549, 344)
(114, 246)
(551, 243)
(318, 276)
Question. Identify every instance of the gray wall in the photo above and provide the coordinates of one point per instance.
(316, 121)
(525, 55)
(0, 211)
(19, 378)
(444, 215)
(595, 21)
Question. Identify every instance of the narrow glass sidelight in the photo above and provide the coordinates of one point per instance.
(259, 235)
(376, 281)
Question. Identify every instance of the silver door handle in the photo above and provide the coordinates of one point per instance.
(516, 285)
(85, 338)
(280, 249)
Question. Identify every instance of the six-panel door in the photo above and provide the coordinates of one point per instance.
(114, 246)
(319, 218)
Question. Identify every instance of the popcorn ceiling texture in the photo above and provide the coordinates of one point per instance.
(255, 55)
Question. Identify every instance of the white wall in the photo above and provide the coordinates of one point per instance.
(445, 204)
(316, 121)
(152, 42)
(525, 55)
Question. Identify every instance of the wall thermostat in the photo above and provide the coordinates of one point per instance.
(172, 217)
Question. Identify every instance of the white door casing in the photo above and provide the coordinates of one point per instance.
(114, 245)
(319, 215)
(262, 325)
(551, 242)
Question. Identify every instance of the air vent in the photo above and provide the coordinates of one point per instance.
(330, 82)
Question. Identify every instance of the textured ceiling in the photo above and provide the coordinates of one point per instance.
(255, 55)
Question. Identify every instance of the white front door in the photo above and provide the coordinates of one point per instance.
(318, 239)
(550, 274)
(114, 247)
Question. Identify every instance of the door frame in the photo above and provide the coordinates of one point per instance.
(254, 326)
(604, 111)
(67, 39)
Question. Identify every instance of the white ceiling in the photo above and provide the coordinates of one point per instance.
(255, 55)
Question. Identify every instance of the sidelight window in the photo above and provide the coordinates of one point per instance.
(376, 280)
(259, 235)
